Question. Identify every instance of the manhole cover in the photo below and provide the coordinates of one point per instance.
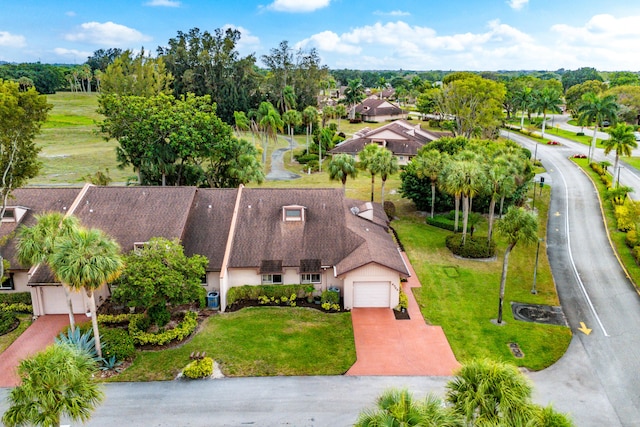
(546, 314)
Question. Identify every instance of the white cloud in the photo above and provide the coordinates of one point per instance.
(108, 34)
(328, 41)
(163, 3)
(246, 38)
(72, 53)
(298, 6)
(392, 13)
(70, 13)
(11, 40)
(517, 4)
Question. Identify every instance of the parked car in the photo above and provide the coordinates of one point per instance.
(605, 123)
(637, 135)
(579, 156)
(553, 143)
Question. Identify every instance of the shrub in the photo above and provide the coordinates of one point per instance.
(330, 306)
(624, 218)
(635, 252)
(159, 315)
(252, 293)
(180, 332)
(474, 247)
(16, 298)
(631, 239)
(83, 341)
(116, 319)
(117, 343)
(597, 168)
(606, 181)
(7, 321)
(199, 368)
(579, 133)
(441, 222)
(17, 307)
(306, 158)
(330, 297)
(389, 209)
(404, 300)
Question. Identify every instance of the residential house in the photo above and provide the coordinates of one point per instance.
(250, 237)
(378, 110)
(404, 139)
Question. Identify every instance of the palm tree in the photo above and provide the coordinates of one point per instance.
(518, 225)
(547, 99)
(291, 118)
(270, 123)
(341, 111)
(369, 161)
(37, 245)
(55, 382)
(309, 117)
(399, 408)
(354, 93)
(596, 109)
(242, 121)
(622, 140)
(451, 181)
(500, 175)
(524, 99)
(473, 181)
(328, 113)
(341, 167)
(87, 260)
(288, 100)
(485, 392)
(387, 165)
(429, 163)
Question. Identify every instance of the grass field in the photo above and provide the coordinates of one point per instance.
(459, 295)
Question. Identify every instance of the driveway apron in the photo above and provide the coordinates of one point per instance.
(37, 337)
(386, 346)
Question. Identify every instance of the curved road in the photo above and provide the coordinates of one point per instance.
(592, 286)
(278, 172)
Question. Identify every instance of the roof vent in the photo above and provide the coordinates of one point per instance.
(354, 210)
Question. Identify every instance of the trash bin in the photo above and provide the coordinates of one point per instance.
(213, 300)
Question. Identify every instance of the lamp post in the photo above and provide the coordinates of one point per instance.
(533, 202)
(535, 268)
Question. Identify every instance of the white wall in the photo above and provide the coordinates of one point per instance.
(375, 273)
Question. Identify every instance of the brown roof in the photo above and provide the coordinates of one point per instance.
(261, 233)
(373, 107)
(400, 136)
(207, 228)
(37, 201)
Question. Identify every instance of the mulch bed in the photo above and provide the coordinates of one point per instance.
(240, 304)
(401, 315)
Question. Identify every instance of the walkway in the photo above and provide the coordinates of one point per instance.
(36, 338)
(386, 346)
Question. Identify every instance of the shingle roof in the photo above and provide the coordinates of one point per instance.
(207, 228)
(372, 107)
(400, 136)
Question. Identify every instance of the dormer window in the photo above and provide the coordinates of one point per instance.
(13, 214)
(293, 213)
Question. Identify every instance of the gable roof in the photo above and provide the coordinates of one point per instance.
(400, 136)
(372, 107)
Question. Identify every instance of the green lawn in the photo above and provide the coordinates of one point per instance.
(259, 341)
(7, 339)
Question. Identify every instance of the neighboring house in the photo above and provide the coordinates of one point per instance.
(377, 110)
(250, 237)
(404, 139)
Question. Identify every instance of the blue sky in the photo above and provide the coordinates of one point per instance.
(372, 34)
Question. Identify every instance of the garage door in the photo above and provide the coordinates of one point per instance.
(371, 294)
(55, 302)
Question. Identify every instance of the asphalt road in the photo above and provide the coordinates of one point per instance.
(592, 286)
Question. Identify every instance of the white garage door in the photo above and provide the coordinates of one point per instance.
(371, 294)
(55, 302)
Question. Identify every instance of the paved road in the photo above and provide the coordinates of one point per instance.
(591, 284)
(278, 171)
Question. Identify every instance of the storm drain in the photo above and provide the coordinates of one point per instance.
(547, 314)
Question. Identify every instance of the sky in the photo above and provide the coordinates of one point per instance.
(474, 35)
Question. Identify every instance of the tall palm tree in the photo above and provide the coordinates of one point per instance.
(622, 140)
(518, 225)
(369, 160)
(451, 181)
(524, 100)
(341, 167)
(354, 93)
(596, 109)
(429, 163)
(309, 117)
(291, 118)
(55, 382)
(328, 113)
(486, 392)
(399, 408)
(500, 177)
(87, 260)
(37, 245)
(271, 123)
(473, 181)
(341, 111)
(387, 165)
(547, 99)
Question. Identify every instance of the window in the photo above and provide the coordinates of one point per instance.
(7, 283)
(271, 279)
(293, 213)
(311, 278)
(9, 214)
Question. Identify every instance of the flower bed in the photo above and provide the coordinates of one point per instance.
(180, 332)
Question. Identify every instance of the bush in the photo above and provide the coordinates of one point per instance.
(252, 293)
(389, 209)
(474, 247)
(597, 168)
(159, 315)
(7, 321)
(606, 181)
(441, 222)
(403, 301)
(17, 307)
(330, 297)
(579, 133)
(635, 252)
(117, 343)
(116, 319)
(631, 239)
(79, 339)
(199, 368)
(16, 298)
(624, 218)
(180, 332)
(303, 159)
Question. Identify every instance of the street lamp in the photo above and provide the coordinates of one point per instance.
(535, 268)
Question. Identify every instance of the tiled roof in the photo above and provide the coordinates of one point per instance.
(372, 107)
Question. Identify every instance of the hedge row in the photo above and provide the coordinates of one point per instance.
(474, 247)
(117, 319)
(7, 321)
(16, 298)
(251, 293)
(180, 332)
(441, 222)
(17, 307)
